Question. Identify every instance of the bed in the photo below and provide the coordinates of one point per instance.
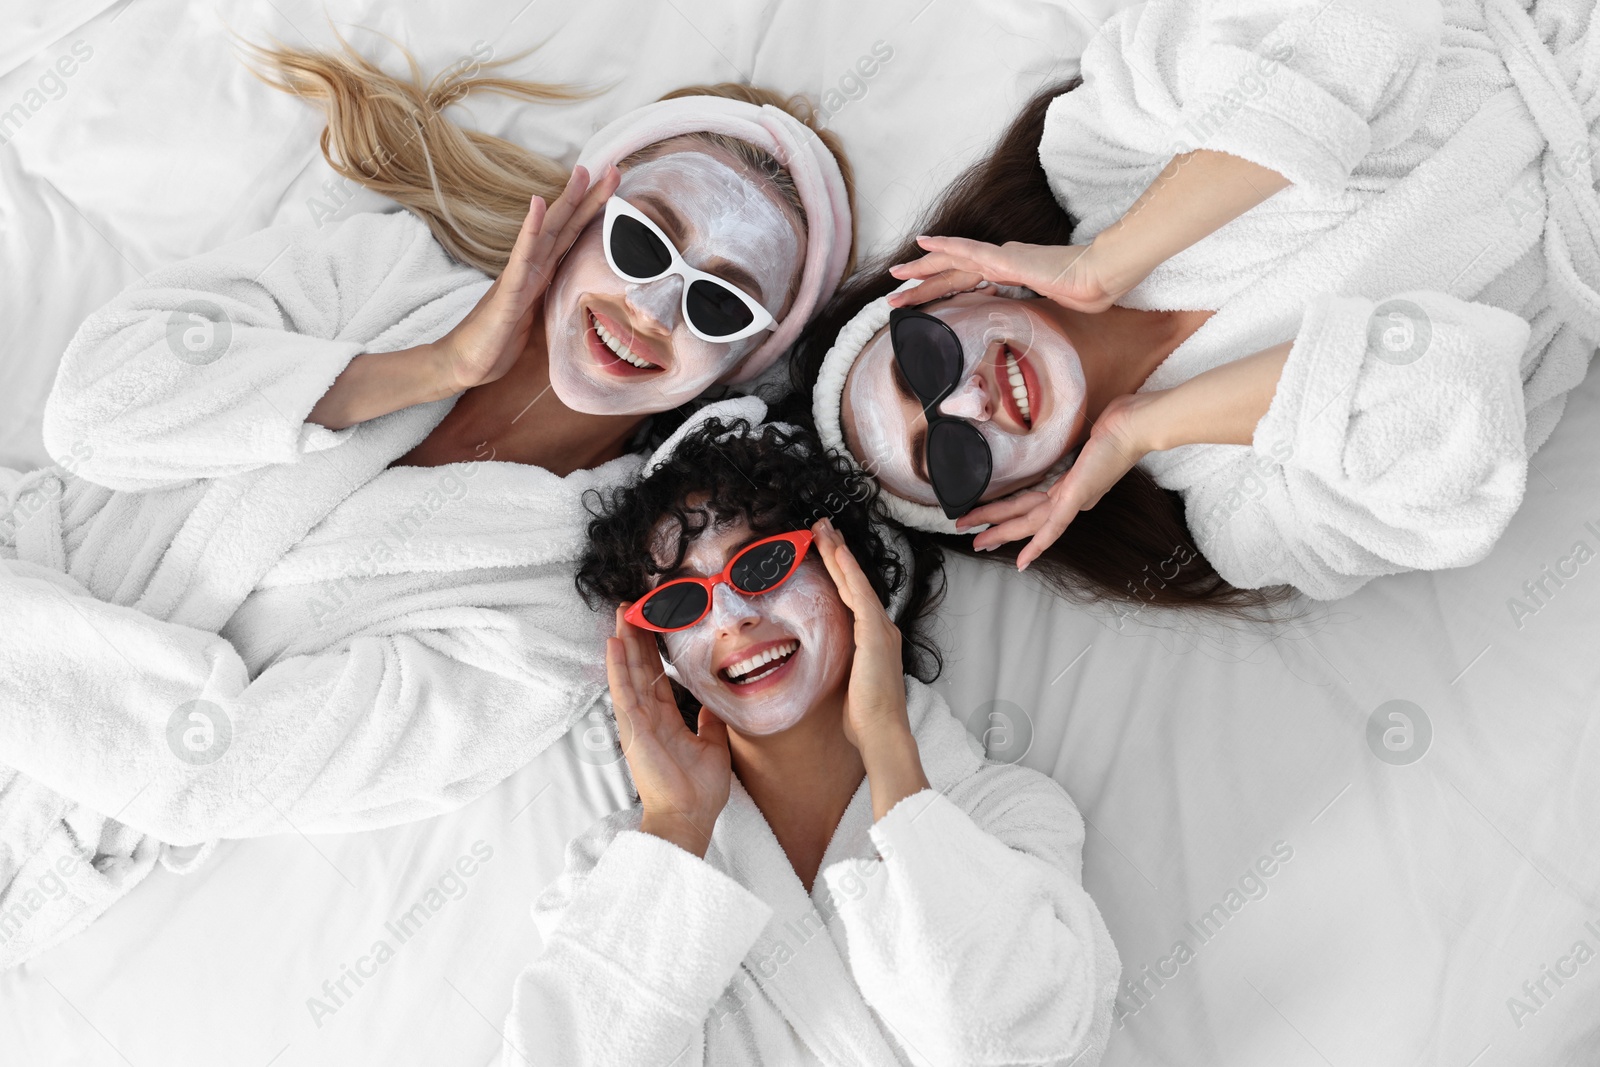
(1366, 837)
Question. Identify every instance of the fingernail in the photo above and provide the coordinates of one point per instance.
(982, 285)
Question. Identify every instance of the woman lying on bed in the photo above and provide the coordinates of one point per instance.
(1306, 283)
(306, 562)
(821, 867)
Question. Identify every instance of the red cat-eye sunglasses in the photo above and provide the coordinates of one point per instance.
(755, 569)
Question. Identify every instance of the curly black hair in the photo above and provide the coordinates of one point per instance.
(776, 479)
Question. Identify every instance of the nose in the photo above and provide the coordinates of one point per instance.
(731, 612)
(654, 305)
(969, 401)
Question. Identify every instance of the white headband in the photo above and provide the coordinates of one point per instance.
(827, 399)
(754, 410)
(830, 228)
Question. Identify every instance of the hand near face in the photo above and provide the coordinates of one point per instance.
(875, 718)
(1113, 448)
(1071, 275)
(485, 344)
(683, 778)
(876, 698)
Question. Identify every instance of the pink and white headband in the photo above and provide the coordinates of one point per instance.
(817, 177)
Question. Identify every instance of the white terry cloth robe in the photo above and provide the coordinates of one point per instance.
(954, 931)
(1435, 261)
(368, 645)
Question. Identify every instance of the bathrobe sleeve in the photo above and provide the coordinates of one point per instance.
(976, 940)
(640, 939)
(161, 725)
(1307, 88)
(209, 367)
(1395, 441)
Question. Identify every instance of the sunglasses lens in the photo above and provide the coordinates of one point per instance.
(959, 464)
(636, 251)
(674, 606)
(762, 567)
(716, 310)
(928, 353)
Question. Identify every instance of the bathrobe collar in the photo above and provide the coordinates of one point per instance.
(266, 522)
(459, 516)
(246, 523)
(799, 967)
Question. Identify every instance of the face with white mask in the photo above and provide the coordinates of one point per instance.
(1021, 385)
(622, 348)
(761, 663)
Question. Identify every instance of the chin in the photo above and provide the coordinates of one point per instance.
(581, 393)
(766, 728)
(778, 712)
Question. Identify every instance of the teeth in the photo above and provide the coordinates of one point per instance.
(622, 351)
(1019, 387)
(760, 659)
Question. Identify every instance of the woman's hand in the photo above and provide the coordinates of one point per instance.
(875, 703)
(1193, 196)
(1221, 406)
(485, 344)
(875, 718)
(682, 778)
(1074, 276)
(1116, 443)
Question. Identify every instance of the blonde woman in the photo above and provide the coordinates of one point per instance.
(306, 559)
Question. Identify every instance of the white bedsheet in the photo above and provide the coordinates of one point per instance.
(1415, 901)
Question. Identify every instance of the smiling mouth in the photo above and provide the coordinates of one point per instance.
(1018, 398)
(604, 341)
(762, 665)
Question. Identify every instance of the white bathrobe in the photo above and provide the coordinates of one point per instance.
(369, 645)
(953, 931)
(1435, 261)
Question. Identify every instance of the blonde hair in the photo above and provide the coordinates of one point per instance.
(390, 135)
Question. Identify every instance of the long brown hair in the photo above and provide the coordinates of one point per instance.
(472, 189)
(1133, 545)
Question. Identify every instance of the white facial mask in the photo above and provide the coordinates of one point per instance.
(806, 608)
(729, 217)
(881, 421)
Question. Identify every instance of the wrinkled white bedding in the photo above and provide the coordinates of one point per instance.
(1371, 912)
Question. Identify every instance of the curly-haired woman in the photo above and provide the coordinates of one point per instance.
(821, 867)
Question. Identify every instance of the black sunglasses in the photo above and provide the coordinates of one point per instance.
(929, 356)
